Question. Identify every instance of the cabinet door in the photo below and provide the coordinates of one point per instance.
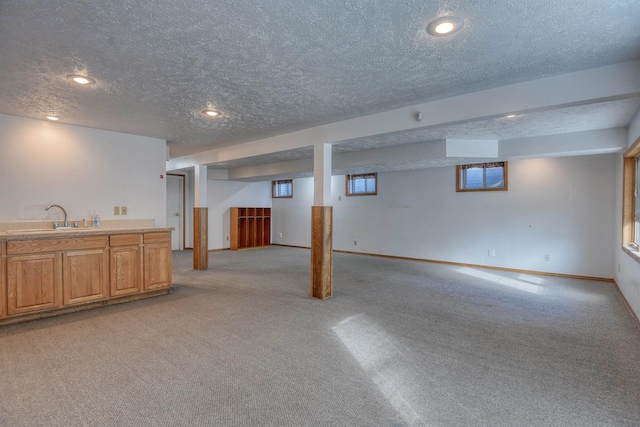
(34, 282)
(84, 275)
(157, 265)
(3, 276)
(126, 270)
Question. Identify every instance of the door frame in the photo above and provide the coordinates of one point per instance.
(184, 208)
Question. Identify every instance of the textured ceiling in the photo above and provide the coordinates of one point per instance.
(280, 156)
(580, 118)
(277, 66)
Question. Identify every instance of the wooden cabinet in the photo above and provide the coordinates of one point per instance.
(3, 278)
(250, 228)
(157, 260)
(45, 276)
(84, 276)
(125, 264)
(34, 283)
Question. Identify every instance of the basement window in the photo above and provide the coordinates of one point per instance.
(282, 189)
(363, 184)
(482, 177)
(631, 201)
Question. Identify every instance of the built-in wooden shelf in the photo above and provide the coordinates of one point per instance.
(250, 228)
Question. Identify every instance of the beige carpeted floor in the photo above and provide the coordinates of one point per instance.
(401, 343)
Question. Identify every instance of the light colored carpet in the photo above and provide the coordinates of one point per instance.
(401, 343)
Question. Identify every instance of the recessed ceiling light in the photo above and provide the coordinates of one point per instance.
(211, 113)
(510, 116)
(445, 26)
(81, 80)
(53, 118)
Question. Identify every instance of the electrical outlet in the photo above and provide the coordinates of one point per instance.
(339, 198)
(116, 210)
(355, 243)
(547, 257)
(280, 235)
(123, 210)
(227, 237)
(492, 252)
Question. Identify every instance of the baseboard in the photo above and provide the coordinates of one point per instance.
(462, 264)
(291, 246)
(210, 250)
(626, 303)
(487, 267)
(250, 249)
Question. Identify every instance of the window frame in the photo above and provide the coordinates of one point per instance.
(274, 185)
(630, 205)
(460, 181)
(348, 178)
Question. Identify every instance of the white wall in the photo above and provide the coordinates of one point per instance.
(627, 273)
(85, 170)
(292, 217)
(221, 195)
(556, 206)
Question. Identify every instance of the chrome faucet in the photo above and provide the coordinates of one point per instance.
(66, 222)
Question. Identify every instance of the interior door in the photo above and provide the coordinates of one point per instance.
(175, 210)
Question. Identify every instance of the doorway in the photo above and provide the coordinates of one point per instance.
(175, 209)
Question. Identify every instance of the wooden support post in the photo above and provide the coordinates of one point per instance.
(200, 239)
(321, 252)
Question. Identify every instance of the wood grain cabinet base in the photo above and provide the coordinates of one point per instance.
(3, 280)
(84, 276)
(126, 264)
(42, 277)
(126, 268)
(157, 261)
(34, 283)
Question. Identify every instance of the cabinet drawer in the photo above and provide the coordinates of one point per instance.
(157, 237)
(55, 245)
(125, 240)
